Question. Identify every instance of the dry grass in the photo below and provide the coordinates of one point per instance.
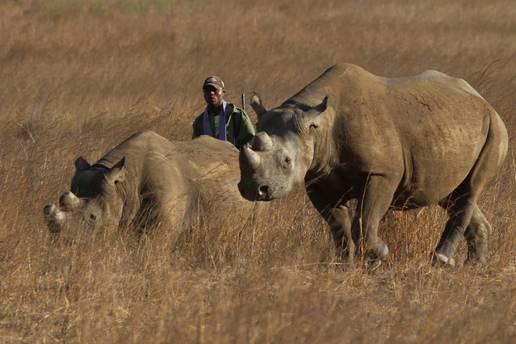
(77, 77)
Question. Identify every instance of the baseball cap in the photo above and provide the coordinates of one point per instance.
(214, 81)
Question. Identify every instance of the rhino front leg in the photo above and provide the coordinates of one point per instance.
(338, 216)
(340, 225)
(372, 206)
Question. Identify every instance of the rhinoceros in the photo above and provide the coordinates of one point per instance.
(149, 180)
(388, 143)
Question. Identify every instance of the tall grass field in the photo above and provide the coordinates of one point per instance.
(77, 77)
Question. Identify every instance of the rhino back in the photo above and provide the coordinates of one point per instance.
(217, 174)
(443, 129)
(216, 163)
(193, 176)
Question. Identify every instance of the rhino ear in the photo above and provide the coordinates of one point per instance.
(313, 115)
(117, 172)
(81, 164)
(257, 105)
(323, 106)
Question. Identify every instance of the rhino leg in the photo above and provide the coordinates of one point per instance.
(477, 235)
(372, 206)
(340, 225)
(338, 216)
(460, 210)
(465, 216)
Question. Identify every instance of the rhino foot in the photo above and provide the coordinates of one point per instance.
(375, 255)
(380, 251)
(475, 260)
(373, 264)
(441, 259)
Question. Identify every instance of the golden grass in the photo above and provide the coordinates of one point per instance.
(78, 77)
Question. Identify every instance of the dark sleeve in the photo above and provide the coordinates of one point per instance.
(196, 128)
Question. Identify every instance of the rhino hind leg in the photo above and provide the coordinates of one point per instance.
(459, 206)
(477, 235)
(467, 220)
(465, 216)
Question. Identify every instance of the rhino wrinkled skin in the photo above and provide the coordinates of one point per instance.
(149, 180)
(388, 143)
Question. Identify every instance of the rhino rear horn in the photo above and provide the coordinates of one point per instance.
(262, 142)
(257, 105)
(81, 164)
(68, 201)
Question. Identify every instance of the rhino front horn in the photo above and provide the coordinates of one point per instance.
(253, 159)
(54, 217)
(262, 142)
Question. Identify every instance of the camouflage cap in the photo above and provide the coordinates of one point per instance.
(214, 81)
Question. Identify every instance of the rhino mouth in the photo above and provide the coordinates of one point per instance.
(255, 192)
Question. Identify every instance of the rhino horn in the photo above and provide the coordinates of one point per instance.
(49, 209)
(262, 142)
(257, 105)
(69, 201)
(253, 159)
(55, 218)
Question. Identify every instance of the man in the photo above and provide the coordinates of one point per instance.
(236, 128)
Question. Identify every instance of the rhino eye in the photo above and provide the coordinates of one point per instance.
(93, 217)
(313, 126)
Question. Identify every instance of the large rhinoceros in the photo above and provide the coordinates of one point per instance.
(149, 180)
(399, 143)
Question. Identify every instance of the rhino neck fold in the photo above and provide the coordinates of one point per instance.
(322, 139)
(325, 153)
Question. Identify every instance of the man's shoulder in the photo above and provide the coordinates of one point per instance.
(235, 110)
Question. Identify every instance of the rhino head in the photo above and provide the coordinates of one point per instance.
(282, 151)
(94, 200)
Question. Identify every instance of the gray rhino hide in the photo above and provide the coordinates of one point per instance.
(399, 143)
(149, 181)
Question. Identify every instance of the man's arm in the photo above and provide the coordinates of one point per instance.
(246, 130)
(196, 128)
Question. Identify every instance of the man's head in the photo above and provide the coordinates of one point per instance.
(213, 90)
